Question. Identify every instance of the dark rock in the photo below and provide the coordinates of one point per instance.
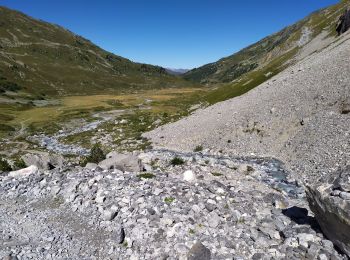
(258, 256)
(342, 181)
(151, 211)
(345, 107)
(343, 23)
(199, 252)
(210, 207)
(296, 214)
(120, 236)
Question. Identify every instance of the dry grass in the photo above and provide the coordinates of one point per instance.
(73, 105)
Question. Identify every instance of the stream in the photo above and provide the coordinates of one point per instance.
(270, 170)
(53, 143)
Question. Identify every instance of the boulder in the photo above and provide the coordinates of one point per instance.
(91, 166)
(332, 211)
(245, 169)
(123, 162)
(24, 172)
(343, 23)
(189, 176)
(199, 252)
(44, 161)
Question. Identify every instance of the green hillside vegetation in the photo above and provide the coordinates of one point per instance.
(45, 60)
(260, 55)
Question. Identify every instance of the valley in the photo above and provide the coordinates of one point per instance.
(247, 157)
(67, 116)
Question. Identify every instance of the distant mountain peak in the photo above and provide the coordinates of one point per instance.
(176, 71)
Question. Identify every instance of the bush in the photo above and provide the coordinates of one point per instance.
(146, 175)
(9, 86)
(4, 165)
(169, 200)
(177, 161)
(96, 155)
(19, 164)
(198, 148)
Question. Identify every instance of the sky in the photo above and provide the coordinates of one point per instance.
(173, 34)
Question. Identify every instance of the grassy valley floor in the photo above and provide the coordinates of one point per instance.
(119, 119)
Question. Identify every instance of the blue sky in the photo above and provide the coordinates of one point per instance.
(176, 34)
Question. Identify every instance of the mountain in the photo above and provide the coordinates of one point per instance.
(270, 54)
(176, 71)
(44, 59)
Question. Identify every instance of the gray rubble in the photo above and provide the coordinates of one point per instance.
(227, 212)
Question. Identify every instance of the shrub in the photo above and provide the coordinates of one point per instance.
(96, 155)
(198, 148)
(169, 200)
(216, 174)
(177, 161)
(4, 165)
(19, 163)
(146, 175)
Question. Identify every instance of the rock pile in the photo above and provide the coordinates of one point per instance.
(223, 212)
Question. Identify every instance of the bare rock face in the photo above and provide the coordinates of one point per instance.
(330, 203)
(44, 161)
(344, 23)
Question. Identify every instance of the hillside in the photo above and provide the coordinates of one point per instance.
(43, 59)
(300, 116)
(271, 54)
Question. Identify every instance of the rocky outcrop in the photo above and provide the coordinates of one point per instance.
(344, 22)
(44, 161)
(330, 203)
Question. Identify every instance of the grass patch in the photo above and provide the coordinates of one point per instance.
(19, 163)
(6, 128)
(169, 200)
(177, 161)
(216, 174)
(146, 176)
(4, 165)
(198, 148)
(96, 155)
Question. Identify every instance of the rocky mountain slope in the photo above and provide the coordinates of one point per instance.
(43, 59)
(300, 116)
(273, 53)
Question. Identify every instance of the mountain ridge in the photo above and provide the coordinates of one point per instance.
(41, 58)
(256, 56)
